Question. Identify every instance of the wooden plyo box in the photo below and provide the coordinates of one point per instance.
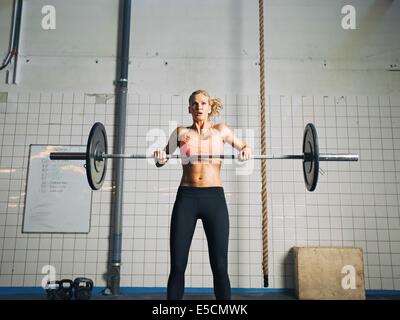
(329, 273)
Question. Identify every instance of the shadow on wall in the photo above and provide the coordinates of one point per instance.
(288, 269)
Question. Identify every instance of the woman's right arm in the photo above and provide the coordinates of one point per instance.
(160, 156)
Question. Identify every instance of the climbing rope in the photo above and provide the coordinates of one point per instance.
(264, 195)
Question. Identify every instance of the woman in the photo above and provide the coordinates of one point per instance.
(200, 194)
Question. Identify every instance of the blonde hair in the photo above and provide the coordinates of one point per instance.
(215, 103)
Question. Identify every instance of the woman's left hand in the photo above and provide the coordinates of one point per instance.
(245, 153)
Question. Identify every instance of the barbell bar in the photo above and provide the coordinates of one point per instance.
(96, 156)
(322, 156)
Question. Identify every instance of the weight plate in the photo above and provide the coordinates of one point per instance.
(311, 157)
(96, 166)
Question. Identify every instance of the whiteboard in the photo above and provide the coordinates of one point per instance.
(58, 196)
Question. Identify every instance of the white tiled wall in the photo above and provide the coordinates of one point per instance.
(355, 204)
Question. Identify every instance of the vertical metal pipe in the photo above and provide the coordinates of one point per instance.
(119, 147)
(14, 43)
(15, 48)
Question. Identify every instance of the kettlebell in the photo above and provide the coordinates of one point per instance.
(83, 288)
(52, 289)
(60, 290)
(65, 290)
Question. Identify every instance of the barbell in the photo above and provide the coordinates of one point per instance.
(96, 156)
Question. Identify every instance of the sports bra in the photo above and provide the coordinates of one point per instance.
(194, 145)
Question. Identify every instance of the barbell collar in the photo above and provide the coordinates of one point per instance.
(338, 157)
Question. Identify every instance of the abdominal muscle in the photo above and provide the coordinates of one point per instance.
(201, 175)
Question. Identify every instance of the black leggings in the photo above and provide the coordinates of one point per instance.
(209, 205)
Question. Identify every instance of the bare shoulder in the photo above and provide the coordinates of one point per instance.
(223, 129)
(181, 130)
(220, 127)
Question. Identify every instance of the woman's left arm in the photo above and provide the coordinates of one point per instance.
(228, 135)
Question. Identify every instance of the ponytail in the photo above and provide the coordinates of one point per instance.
(216, 106)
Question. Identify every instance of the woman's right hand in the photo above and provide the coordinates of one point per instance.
(160, 156)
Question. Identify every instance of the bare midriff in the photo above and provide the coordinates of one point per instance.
(201, 175)
(201, 172)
